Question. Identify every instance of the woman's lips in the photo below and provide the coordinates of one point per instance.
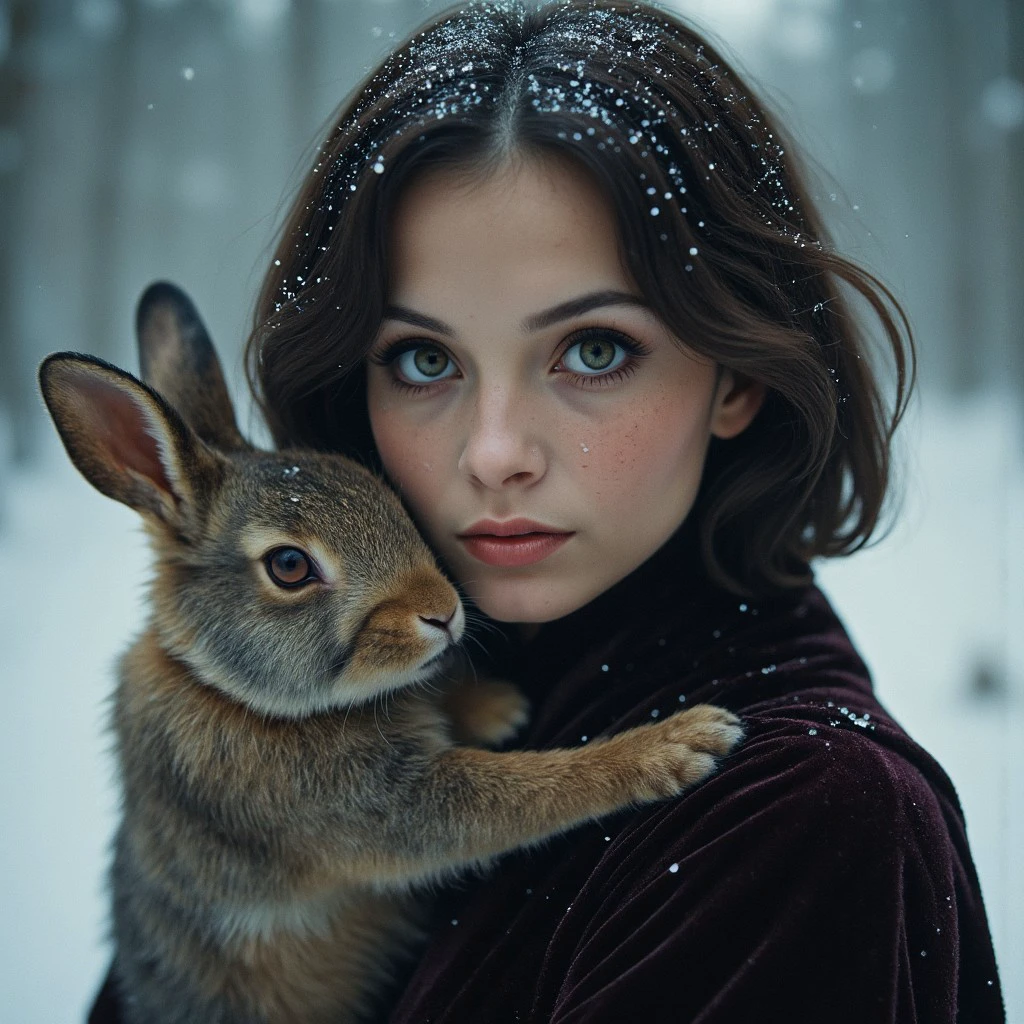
(513, 543)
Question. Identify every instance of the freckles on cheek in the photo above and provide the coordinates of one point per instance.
(640, 452)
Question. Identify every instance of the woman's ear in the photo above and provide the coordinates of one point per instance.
(738, 400)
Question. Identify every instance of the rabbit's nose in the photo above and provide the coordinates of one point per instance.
(442, 624)
(453, 626)
(436, 627)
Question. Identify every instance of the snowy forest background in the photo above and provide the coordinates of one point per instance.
(144, 139)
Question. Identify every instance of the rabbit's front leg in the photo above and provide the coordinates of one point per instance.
(471, 804)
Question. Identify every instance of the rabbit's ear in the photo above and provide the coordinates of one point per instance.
(179, 361)
(124, 438)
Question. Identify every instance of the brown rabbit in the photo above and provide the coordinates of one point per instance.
(274, 819)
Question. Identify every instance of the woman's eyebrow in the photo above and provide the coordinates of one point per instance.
(537, 322)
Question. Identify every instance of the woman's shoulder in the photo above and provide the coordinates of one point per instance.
(825, 777)
(819, 851)
(821, 780)
(828, 845)
(823, 760)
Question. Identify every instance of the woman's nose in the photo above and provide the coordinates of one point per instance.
(500, 448)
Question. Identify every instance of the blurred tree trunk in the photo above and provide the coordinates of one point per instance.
(981, 53)
(958, 87)
(303, 74)
(117, 93)
(17, 397)
(1014, 224)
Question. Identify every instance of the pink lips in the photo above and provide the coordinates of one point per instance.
(512, 543)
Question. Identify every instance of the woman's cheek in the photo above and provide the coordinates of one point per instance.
(642, 457)
(409, 454)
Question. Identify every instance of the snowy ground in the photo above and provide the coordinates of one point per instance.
(932, 608)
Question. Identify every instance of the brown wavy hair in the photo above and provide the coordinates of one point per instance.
(715, 224)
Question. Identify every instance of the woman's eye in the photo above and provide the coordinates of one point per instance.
(594, 355)
(289, 567)
(424, 364)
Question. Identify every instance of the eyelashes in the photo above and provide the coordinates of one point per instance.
(592, 357)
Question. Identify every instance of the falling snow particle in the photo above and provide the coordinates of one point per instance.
(604, 668)
(693, 250)
(378, 167)
(655, 713)
(673, 868)
(188, 73)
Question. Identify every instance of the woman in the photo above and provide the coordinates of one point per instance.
(556, 275)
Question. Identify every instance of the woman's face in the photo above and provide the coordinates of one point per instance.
(546, 429)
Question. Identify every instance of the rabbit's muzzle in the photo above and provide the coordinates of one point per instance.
(407, 631)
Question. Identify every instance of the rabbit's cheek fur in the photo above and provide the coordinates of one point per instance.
(333, 643)
(275, 657)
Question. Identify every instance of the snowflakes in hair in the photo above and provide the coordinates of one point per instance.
(445, 74)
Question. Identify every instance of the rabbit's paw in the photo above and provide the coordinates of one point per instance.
(687, 746)
(487, 712)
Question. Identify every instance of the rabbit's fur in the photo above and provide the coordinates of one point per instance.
(286, 776)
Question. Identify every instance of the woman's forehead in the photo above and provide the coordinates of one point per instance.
(540, 226)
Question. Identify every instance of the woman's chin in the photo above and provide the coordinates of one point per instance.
(528, 600)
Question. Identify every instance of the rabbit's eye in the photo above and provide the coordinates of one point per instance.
(289, 567)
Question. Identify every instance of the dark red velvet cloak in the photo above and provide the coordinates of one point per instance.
(822, 874)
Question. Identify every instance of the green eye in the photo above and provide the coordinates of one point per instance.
(424, 363)
(594, 355)
(429, 361)
(597, 354)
